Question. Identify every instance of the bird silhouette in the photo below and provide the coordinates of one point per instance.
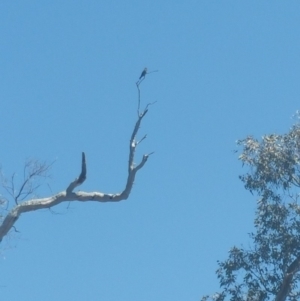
(143, 73)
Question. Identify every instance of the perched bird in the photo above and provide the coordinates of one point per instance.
(143, 73)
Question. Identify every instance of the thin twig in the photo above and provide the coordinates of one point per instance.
(139, 98)
(152, 71)
(138, 87)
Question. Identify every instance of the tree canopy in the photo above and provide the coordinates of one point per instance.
(268, 270)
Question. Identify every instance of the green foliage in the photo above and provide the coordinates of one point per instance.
(268, 270)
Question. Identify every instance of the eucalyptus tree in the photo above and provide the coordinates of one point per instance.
(269, 269)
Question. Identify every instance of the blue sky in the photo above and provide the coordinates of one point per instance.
(227, 69)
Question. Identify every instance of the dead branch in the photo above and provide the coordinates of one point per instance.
(142, 77)
(139, 97)
(69, 195)
(33, 170)
(78, 181)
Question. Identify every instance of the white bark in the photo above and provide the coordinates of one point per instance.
(69, 195)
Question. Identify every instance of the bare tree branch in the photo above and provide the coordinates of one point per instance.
(69, 195)
(33, 170)
(139, 96)
(141, 79)
(78, 181)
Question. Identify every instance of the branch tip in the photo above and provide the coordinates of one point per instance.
(82, 177)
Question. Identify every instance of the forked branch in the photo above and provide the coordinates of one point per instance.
(141, 79)
(33, 171)
(70, 195)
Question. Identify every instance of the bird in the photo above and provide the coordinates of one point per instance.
(143, 73)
